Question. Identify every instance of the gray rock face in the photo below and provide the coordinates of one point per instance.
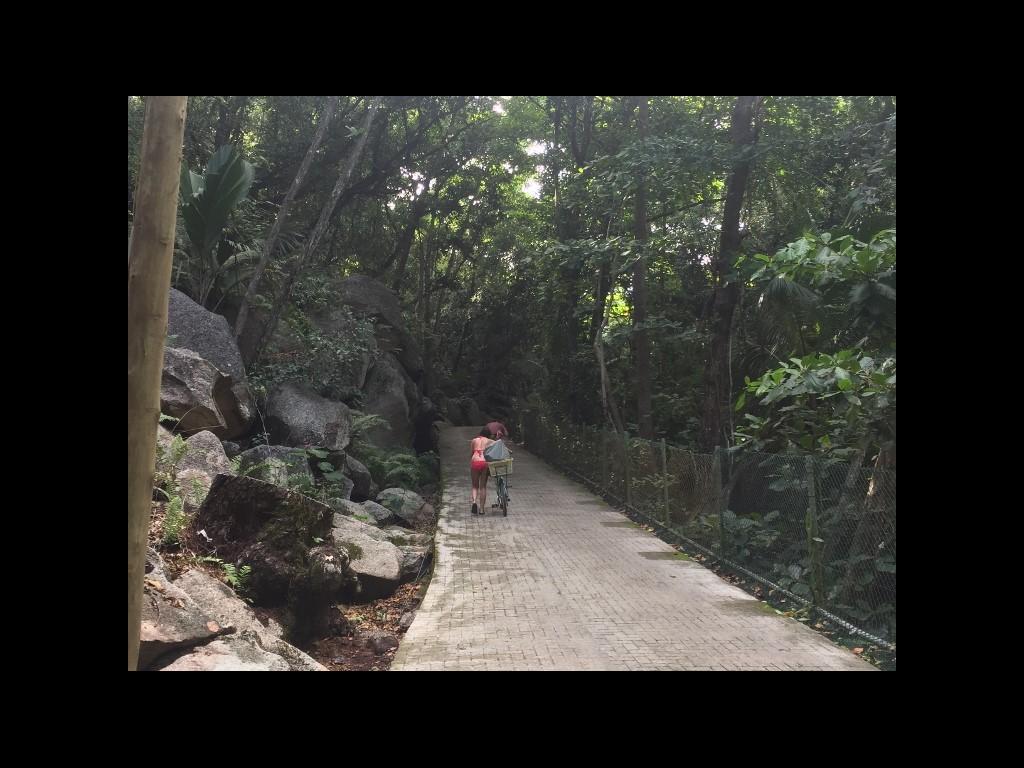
(370, 298)
(204, 459)
(298, 416)
(378, 641)
(233, 654)
(171, 620)
(195, 392)
(414, 561)
(390, 393)
(208, 334)
(363, 487)
(275, 463)
(375, 561)
(409, 507)
(274, 530)
(220, 602)
(192, 327)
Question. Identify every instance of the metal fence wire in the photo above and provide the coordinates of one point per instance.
(822, 530)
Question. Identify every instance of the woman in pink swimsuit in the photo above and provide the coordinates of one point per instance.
(478, 470)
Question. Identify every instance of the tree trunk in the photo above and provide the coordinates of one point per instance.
(238, 122)
(220, 137)
(611, 410)
(726, 289)
(149, 284)
(845, 509)
(318, 232)
(428, 261)
(555, 105)
(404, 245)
(641, 337)
(604, 282)
(564, 350)
(282, 213)
(876, 531)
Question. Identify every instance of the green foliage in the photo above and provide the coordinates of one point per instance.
(237, 578)
(207, 202)
(516, 207)
(847, 286)
(166, 484)
(325, 483)
(316, 294)
(209, 199)
(398, 468)
(175, 519)
(362, 423)
(136, 119)
(303, 484)
(172, 456)
(268, 470)
(859, 585)
(329, 361)
(828, 403)
(838, 289)
(520, 214)
(401, 470)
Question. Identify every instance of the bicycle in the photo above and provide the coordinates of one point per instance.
(501, 471)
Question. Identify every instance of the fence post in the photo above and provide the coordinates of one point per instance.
(720, 501)
(664, 478)
(626, 472)
(814, 541)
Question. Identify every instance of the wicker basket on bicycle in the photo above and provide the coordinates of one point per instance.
(501, 468)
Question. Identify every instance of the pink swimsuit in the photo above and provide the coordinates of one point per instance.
(478, 462)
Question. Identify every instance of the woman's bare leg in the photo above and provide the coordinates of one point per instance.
(479, 477)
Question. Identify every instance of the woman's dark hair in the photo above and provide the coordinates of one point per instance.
(485, 432)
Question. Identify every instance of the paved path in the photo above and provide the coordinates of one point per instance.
(565, 582)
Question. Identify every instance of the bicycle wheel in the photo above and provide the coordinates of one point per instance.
(503, 496)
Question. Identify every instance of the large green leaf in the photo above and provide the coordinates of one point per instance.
(208, 200)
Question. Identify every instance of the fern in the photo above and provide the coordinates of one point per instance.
(235, 576)
(197, 492)
(302, 483)
(361, 423)
(403, 475)
(399, 468)
(174, 520)
(176, 451)
(252, 469)
(364, 422)
(167, 484)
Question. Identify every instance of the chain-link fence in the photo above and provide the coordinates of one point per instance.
(822, 530)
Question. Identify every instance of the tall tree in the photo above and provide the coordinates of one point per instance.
(567, 224)
(726, 291)
(316, 236)
(149, 282)
(641, 338)
(282, 213)
(401, 254)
